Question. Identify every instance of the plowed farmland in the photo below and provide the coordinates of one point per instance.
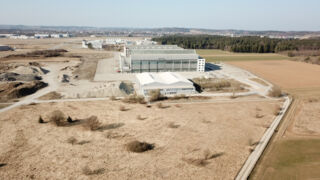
(284, 73)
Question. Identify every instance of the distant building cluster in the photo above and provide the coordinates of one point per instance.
(35, 36)
(99, 44)
(160, 58)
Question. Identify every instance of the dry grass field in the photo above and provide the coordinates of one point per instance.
(187, 141)
(294, 151)
(286, 74)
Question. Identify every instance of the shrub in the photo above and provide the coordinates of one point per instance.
(258, 115)
(173, 125)
(275, 92)
(161, 106)
(123, 108)
(93, 123)
(41, 121)
(126, 87)
(113, 98)
(58, 118)
(72, 140)
(155, 95)
(88, 171)
(277, 110)
(139, 117)
(139, 147)
(134, 98)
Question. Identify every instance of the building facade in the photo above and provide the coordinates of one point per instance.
(162, 58)
(168, 83)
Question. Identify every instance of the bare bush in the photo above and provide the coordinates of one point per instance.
(201, 162)
(139, 147)
(275, 92)
(209, 155)
(161, 106)
(123, 108)
(113, 98)
(58, 118)
(72, 140)
(173, 125)
(134, 98)
(88, 171)
(258, 115)
(155, 95)
(139, 117)
(92, 123)
(277, 110)
(41, 121)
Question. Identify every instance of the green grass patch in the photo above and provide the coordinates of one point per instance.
(292, 159)
(214, 55)
(243, 58)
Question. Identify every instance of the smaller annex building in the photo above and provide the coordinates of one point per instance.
(168, 83)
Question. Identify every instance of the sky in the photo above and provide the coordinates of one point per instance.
(285, 15)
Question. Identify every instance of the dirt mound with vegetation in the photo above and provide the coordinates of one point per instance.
(38, 54)
(13, 90)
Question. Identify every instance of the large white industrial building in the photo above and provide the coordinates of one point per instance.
(160, 58)
(168, 83)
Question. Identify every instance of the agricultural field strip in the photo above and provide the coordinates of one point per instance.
(255, 155)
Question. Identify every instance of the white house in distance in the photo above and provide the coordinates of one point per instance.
(168, 83)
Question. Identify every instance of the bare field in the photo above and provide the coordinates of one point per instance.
(182, 135)
(286, 74)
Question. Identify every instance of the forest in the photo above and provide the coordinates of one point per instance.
(246, 44)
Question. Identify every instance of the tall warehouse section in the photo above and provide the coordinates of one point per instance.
(160, 58)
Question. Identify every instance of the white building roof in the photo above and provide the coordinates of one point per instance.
(164, 56)
(162, 79)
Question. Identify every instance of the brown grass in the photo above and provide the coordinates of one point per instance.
(88, 171)
(139, 147)
(257, 80)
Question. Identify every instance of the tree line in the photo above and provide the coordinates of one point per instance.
(247, 44)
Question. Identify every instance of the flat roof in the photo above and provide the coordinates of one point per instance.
(153, 47)
(156, 57)
(162, 51)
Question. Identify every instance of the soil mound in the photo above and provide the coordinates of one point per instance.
(13, 90)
